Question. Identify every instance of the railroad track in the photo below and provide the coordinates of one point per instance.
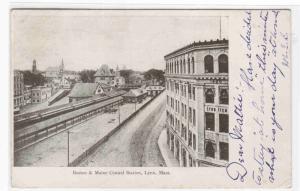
(40, 131)
(24, 120)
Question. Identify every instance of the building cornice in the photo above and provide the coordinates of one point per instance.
(205, 45)
(198, 76)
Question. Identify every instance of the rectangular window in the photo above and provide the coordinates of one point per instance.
(182, 130)
(167, 100)
(224, 154)
(194, 117)
(189, 91)
(194, 141)
(194, 92)
(210, 121)
(190, 114)
(190, 138)
(223, 123)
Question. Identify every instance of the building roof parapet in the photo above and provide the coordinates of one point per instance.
(199, 44)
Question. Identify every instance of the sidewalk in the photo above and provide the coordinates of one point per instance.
(165, 151)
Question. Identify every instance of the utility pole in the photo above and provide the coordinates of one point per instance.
(119, 113)
(68, 147)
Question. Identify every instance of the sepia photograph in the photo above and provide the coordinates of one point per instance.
(150, 98)
(119, 89)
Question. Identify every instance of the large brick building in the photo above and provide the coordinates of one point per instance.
(197, 103)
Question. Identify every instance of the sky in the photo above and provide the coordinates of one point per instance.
(84, 39)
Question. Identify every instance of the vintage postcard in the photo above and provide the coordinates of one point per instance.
(124, 98)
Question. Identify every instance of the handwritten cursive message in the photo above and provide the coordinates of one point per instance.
(257, 122)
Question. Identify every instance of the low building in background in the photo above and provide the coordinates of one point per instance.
(18, 90)
(135, 96)
(154, 90)
(87, 90)
(136, 78)
(40, 94)
(197, 103)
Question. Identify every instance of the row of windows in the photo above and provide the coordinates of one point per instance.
(222, 63)
(210, 122)
(18, 85)
(18, 101)
(179, 66)
(35, 94)
(184, 90)
(18, 92)
(223, 153)
(35, 101)
(182, 109)
(188, 136)
(210, 96)
(18, 78)
(181, 89)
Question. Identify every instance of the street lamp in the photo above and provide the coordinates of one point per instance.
(68, 148)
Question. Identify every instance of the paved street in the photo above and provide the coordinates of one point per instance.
(136, 142)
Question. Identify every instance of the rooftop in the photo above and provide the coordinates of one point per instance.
(103, 71)
(135, 93)
(83, 90)
(199, 43)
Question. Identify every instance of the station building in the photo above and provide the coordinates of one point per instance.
(197, 103)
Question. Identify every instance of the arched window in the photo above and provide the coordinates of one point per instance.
(209, 64)
(209, 96)
(223, 63)
(209, 150)
(223, 96)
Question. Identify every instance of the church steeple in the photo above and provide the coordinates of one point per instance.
(61, 68)
(117, 71)
(34, 69)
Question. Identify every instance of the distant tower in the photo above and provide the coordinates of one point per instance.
(61, 68)
(34, 70)
(117, 71)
